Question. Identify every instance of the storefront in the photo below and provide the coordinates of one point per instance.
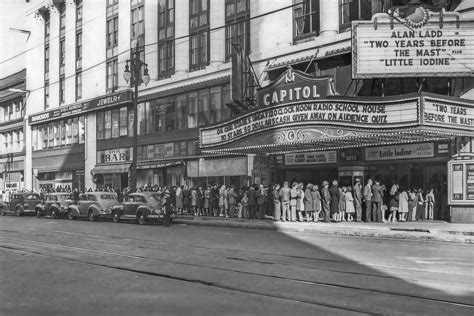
(312, 136)
(112, 168)
(59, 142)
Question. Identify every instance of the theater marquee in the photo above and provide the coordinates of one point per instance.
(388, 48)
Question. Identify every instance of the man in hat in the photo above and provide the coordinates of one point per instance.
(167, 208)
(368, 200)
(377, 200)
(325, 200)
(357, 189)
(285, 202)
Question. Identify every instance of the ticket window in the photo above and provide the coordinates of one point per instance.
(347, 176)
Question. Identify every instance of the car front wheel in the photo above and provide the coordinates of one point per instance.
(70, 215)
(91, 216)
(54, 213)
(141, 219)
(3, 212)
(115, 217)
(18, 212)
(38, 213)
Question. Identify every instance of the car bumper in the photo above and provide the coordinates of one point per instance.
(154, 217)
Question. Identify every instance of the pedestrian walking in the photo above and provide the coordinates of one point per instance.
(350, 208)
(285, 197)
(308, 202)
(402, 205)
(377, 201)
(326, 200)
(368, 200)
(335, 198)
(357, 193)
(276, 202)
(430, 203)
(252, 202)
(316, 198)
(293, 201)
(260, 196)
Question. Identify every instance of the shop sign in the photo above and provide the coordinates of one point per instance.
(380, 113)
(385, 47)
(293, 86)
(318, 157)
(114, 155)
(448, 114)
(443, 149)
(470, 181)
(457, 182)
(82, 107)
(408, 151)
(160, 151)
(350, 154)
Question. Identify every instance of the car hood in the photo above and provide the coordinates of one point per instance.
(108, 203)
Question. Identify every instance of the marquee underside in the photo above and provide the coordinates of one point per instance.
(316, 139)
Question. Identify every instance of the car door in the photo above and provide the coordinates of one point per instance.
(131, 207)
(83, 205)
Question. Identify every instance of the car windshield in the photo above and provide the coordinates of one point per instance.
(154, 198)
(32, 197)
(65, 197)
(107, 197)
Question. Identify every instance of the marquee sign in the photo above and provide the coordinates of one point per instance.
(368, 114)
(408, 151)
(317, 157)
(293, 86)
(384, 47)
(455, 113)
(82, 107)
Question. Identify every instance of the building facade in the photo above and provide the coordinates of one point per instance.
(213, 62)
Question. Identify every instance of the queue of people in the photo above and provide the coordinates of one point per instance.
(370, 202)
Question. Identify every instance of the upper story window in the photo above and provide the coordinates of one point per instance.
(78, 86)
(46, 95)
(62, 18)
(112, 28)
(62, 51)
(165, 38)
(46, 63)
(78, 50)
(199, 34)
(237, 35)
(47, 27)
(112, 75)
(137, 31)
(306, 19)
(13, 110)
(62, 90)
(353, 10)
(78, 13)
(59, 133)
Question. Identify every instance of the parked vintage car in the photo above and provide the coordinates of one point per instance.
(93, 205)
(142, 207)
(22, 203)
(55, 204)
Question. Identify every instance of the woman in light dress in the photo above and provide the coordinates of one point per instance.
(350, 209)
(402, 205)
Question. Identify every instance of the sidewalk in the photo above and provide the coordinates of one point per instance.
(420, 230)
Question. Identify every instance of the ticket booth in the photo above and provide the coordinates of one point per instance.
(348, 174)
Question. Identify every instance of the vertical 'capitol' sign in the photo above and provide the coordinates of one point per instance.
(293, 86)
(442, 45)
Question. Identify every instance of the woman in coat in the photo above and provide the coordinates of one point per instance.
(350, 209)
(207, 196)
(193, 194)
(335, 197)
(402, 205)
(308, 202)
(179, 199)
(316, 197)
(200, 201)
(342, 205)
(300, 201)
(186, 200)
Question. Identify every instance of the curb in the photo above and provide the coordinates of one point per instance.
(379, 232)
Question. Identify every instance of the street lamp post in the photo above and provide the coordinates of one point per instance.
(133, 72)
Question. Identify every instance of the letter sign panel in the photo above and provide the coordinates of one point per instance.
(389, 48)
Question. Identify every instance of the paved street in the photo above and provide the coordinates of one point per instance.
(63, 267)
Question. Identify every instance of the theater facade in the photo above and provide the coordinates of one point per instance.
(301, 130)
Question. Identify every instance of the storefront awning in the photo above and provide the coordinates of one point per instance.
(118, 168)
(159, 164)
(341, 122)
